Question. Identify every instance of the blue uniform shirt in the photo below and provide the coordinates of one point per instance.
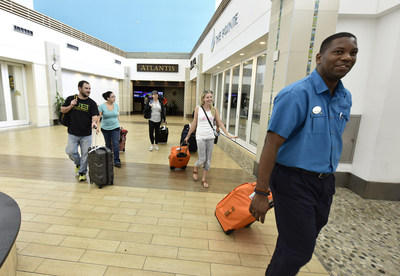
(312, 121)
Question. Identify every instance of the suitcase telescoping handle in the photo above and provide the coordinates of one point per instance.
(95, 146)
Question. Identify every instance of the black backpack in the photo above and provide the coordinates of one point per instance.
(64, 118)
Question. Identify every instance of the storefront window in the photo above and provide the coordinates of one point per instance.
(259, 87)
(234, 98)
(213, 87)
(226, 96)
(3, 114)
(219, 92)
(16, 84)
(245, 99)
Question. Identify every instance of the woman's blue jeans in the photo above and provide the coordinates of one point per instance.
(111, 137)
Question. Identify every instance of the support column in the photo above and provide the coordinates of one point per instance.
(187, 112)
(200, 79)
(297, 28)
(126, 97)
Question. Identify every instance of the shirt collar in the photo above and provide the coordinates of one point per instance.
(321, 87)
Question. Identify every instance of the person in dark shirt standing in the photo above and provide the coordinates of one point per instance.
(83, 115)
(301, 153)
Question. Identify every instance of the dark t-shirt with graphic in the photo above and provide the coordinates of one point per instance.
(81, 116)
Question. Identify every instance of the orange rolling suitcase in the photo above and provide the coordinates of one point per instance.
(232, 211)
(179, 157)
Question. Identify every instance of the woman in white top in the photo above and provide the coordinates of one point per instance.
(205, 134)
(157, 115)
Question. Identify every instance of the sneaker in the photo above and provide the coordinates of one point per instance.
(82, 177)
(151, 148)
(117, 164)
(77, 169)
(156, 147)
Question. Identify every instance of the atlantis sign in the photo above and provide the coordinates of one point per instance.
(225, 31)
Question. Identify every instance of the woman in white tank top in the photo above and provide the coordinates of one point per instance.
(205, 134)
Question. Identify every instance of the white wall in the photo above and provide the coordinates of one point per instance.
(26, 3)
(366, 7)
(98, 85)
(253, 23)
(374, 83)
(155, 76)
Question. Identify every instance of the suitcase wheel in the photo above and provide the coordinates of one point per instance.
(123, 150)
(172, 168)
(229, 231)
(248, 225)
(184, 167)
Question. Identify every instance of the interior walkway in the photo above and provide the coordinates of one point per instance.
(151, 222)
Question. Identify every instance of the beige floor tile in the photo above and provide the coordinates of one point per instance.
(134, 219)
(183, 223)
(121, 271)
(125, 236)
(92, 244)
(155, 229)
(177, 266)
(37, 203)
(34, 226)
(223, 270)
(208, 256)
(180, 242)
(203, 218)
(56, 220)
(23, 273)
(312, 274)
(87, 215)
(44, 211)
(159, 214)
(53, 252)
(73, 231)
(28, 263)
(139, 205)
(260, 261)
(55, 267)
(205, 234)
(163, 201)
(248, 235)
(115, 210)
(72, 206)
(237, 247)
(104, 202)
(148, 250)
(113, 259)
(20, 245)
(25, 216)
(181, 209)
(214, 226)
(42, 238)
(107, 225)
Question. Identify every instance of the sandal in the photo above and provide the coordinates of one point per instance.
(204, 183)
(195, 175)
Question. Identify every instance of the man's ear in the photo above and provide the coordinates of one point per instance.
(318, 58)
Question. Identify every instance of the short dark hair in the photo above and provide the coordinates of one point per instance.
(327, 41)
(107, 95)
(154, 92)
(81, 83)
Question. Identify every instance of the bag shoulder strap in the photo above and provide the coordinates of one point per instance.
(207, 117)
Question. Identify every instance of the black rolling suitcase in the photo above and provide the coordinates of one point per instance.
(192, 138)
(163, 138)
(101, 168)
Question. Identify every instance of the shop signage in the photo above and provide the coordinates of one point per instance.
(162, 68)
(225, 31)
(193, 62)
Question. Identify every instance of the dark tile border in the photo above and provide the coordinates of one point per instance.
(365, 189)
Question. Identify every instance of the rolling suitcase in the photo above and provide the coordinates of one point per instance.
(163, 138)
(192, 139)
(232, 211)
(179, 157)
(101, 169)
(122, 139)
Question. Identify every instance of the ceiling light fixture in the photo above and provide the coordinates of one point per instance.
(228, 61)
(262, 42)
(242, 54)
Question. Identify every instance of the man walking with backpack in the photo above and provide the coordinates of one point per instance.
(83, 116)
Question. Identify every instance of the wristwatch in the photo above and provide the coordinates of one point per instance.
(260, 192)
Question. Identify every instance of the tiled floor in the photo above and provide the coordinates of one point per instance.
(71, 228)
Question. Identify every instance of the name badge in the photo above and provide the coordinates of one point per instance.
(317, 109)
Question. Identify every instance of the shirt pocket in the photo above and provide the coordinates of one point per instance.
(319, 123)
(341, 120)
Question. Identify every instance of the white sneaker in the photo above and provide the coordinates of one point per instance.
(151, 148)
(156, 147)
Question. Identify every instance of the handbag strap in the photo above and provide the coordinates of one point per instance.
(207, 118)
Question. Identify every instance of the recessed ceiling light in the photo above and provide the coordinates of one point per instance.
(242, 54)
(228, 61)
(218, 67)
(262, 42)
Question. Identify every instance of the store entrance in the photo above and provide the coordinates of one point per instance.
(171, 92)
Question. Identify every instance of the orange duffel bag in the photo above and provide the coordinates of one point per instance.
(179, 157)
(232, 211)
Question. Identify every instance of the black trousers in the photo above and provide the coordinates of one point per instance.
(302, 203)
(154, 128)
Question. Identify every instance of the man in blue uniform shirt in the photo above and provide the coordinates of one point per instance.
(301, 153)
